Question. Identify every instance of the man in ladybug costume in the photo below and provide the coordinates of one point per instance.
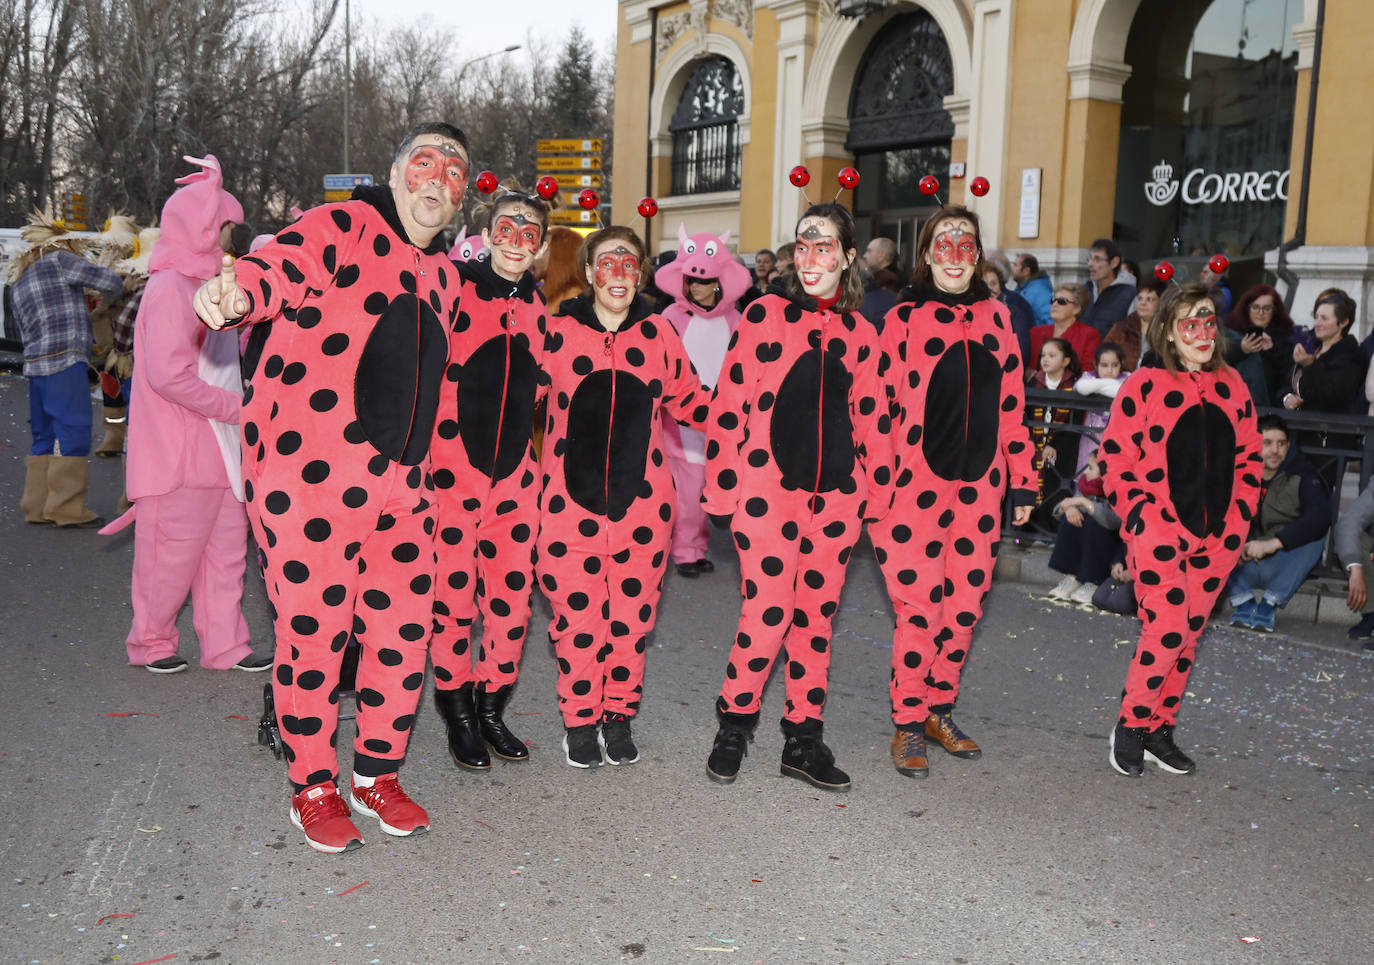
(336, 431)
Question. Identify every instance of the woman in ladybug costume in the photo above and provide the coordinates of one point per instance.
(957, 402)
(797, 457)
(486, 481)
(1181, 465)
(612, 366)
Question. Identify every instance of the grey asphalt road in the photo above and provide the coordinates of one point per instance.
(150, 826)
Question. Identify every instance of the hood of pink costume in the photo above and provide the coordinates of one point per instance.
(467, 248)
(191, 220)
(703, 256)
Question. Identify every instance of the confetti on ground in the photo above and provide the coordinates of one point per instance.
(118, 914)
(237, 717)
(354, 888)
(164, 958)
(1249, 939)
(713, 948)
(131, 713)
(484, 824)
(153, 830)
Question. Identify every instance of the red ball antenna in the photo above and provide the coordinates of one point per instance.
(546, 187)
(979, 186)
(487, 182)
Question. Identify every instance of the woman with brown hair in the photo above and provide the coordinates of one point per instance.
(558, 267)
(1261, 346)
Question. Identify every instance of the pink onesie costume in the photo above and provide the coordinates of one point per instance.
(336, 434)
(1181, 466)
(798, 455)
(957, 404)
(191, 533)
(705, 334)
(608, 497)
(486, 479)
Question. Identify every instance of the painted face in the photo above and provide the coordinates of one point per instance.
(614, 275)
(515, 238)
(1195, 334)
(443, 162)
(818, 257)
(428, 186)
(953, 255)
(1052, 360)
(1273, 448)
(1108, 366)
(1146, 301)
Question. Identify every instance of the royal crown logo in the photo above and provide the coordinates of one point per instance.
(1162, 189)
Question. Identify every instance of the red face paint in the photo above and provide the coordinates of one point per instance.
(954, 247)
(618, 265)
(441, 163)
(516, 231)
(1199, 328)
(818, 258)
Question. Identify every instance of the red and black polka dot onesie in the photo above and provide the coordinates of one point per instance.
(336, 432)
(608, 497)
(954, 374)
(486, 479)
(798, 454)
(1181, 466)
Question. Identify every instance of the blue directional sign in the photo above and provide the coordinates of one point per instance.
(346, 182)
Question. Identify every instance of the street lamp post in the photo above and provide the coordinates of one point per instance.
(462, 71)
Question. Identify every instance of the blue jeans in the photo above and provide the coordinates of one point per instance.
(1279, 576)
(60, 411)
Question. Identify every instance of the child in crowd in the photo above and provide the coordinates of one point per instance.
(1059, 370)
(1108, 374)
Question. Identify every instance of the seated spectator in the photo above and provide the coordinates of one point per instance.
(996, 273)
(1129, 333)
(1260, 346)
(1033, 285)
(1058, 370)
(1066, 307)
(1113, 290)
(1351, 526)
(1287, 535)
(1328, 379)
(1087, 544)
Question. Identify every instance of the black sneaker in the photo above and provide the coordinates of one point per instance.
(172, 664)
(582, 747)
(689, 570)
(805, 757)
(253, 664)
(1127, 750)
(1364, 630)
(1160, 749)
(616, 744)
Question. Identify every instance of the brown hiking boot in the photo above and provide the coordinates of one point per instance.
(942, 729)
(909, 753)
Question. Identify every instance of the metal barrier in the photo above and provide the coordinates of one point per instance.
(1330, 441)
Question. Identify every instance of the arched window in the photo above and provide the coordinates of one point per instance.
(705, 129)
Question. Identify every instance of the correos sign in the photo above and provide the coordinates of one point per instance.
(1200, 187)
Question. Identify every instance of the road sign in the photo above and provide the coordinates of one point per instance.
(338, 195)
(575, 216)
(346, 182)
(568, 181)
(74, 210)
(564, 145)
(584, 163)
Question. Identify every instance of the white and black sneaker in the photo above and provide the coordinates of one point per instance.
(582, 746)
(1159, 749)
(1126, 750)
(617, 745)
(172, 664)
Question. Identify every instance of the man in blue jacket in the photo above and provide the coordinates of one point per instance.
(1034, 286)
(1287, 535)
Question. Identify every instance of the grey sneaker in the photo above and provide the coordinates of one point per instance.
(582, 747)
(172, 664)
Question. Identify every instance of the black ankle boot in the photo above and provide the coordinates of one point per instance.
(491, 705)
(731, 744)
(465, 744)
(805, 757)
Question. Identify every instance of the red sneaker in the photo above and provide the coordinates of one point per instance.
(391, 806)
(323, 816)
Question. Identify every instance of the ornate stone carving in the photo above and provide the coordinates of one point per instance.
(670, 28)
(738, 13)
